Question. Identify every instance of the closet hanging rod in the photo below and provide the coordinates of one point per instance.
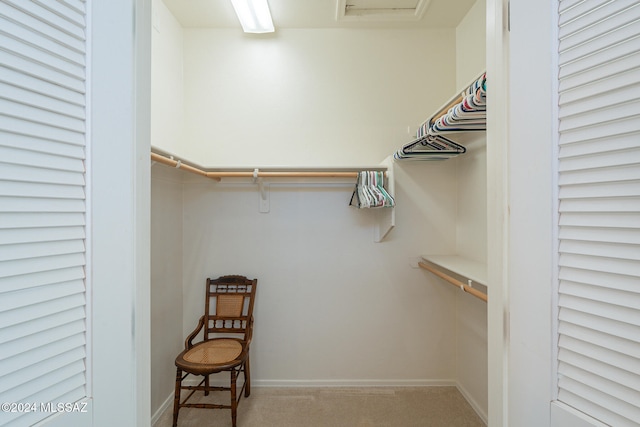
(256, 173)
(445, 109)
(281, 174)
(178, 164)
(455, 282)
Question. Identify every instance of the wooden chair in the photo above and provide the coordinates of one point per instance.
(227, 327)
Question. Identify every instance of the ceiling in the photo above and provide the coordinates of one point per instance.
(319, 14)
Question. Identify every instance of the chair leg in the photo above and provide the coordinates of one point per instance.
(176, 399)
(234, 401)
(206, 385)
(247, 378)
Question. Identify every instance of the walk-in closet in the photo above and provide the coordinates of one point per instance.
(439, 200)
(348, 296)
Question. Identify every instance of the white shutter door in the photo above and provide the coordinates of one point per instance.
(42, 207)
(599, 226)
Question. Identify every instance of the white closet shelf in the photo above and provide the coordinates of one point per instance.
(464, 113)
(471, 269)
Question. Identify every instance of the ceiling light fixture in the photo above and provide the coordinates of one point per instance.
(254, 15)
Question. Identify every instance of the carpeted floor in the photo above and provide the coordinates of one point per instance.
(337, 407)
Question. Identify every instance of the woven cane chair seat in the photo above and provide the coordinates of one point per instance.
(216, 352)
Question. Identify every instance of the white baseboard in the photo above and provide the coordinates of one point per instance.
(328, 383)
(166, 404)
(352, 383)
(477, 408)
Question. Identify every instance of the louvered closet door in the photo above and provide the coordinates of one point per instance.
(42, 207)
(599, 202)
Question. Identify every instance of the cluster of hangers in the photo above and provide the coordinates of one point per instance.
(429, 147)
(370, 191)
(465, 112)
(469, 114)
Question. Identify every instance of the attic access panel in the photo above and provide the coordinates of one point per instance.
(381, 10)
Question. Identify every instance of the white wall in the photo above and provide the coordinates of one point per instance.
(167, 106)
(333, 307)
(305, 97)
(472, 167)
(166, 205)
(471, 45)
(471, 231)
(471, 242)
(166, 281)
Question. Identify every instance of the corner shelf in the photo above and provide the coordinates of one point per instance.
(471, 269)
(474, 272)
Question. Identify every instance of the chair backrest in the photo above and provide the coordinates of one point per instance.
(229, 306)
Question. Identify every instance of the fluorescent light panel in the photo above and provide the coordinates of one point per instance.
(254, 15)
